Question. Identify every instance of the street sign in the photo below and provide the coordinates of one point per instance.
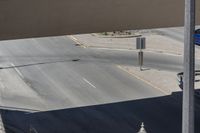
(140, 43)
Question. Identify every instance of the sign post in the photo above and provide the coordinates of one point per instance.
(140, 59)
(140, 44)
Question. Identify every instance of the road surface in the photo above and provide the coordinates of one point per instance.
(176, 33)
(51, 85)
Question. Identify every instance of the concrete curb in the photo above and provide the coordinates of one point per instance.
(130, 49)
(143, 80)
(122, 36)
(123, 49)
(114, 48)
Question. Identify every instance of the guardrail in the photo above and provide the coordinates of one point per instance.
(180, 78)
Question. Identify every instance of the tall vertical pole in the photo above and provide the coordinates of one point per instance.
(189, 68)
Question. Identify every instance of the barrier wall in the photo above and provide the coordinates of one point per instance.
(38, 18)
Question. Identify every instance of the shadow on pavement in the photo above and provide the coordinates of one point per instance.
(160, 115)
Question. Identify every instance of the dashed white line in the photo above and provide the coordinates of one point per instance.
(20, 74)
(89, 83)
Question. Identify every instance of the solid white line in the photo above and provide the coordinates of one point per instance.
(20, 74)
(89, 82)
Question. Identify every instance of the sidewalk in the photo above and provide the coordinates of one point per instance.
(154, 43)
(164, 81)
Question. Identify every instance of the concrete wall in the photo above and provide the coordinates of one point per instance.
(37, 18)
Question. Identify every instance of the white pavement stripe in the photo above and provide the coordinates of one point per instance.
(2, 129)
(17, 70)
(77, 41)
(89, 83)
(73, 38)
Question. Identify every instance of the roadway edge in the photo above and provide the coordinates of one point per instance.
(143, 80)
(83, 45)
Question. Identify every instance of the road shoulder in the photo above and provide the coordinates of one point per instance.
(164, 81)
(154, 43)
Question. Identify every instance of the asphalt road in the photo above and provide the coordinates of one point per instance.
(176, 33)
(77, 90)
(40, 74)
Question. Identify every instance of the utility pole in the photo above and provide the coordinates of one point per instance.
(189, 68)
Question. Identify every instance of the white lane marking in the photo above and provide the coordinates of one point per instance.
(77, 41)
(2, 129)
(89, 83)
(73, 38)
(17, 70)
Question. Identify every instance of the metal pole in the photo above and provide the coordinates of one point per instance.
(189, 67)
(140, 59)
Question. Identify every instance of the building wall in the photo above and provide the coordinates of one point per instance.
(38, 18)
